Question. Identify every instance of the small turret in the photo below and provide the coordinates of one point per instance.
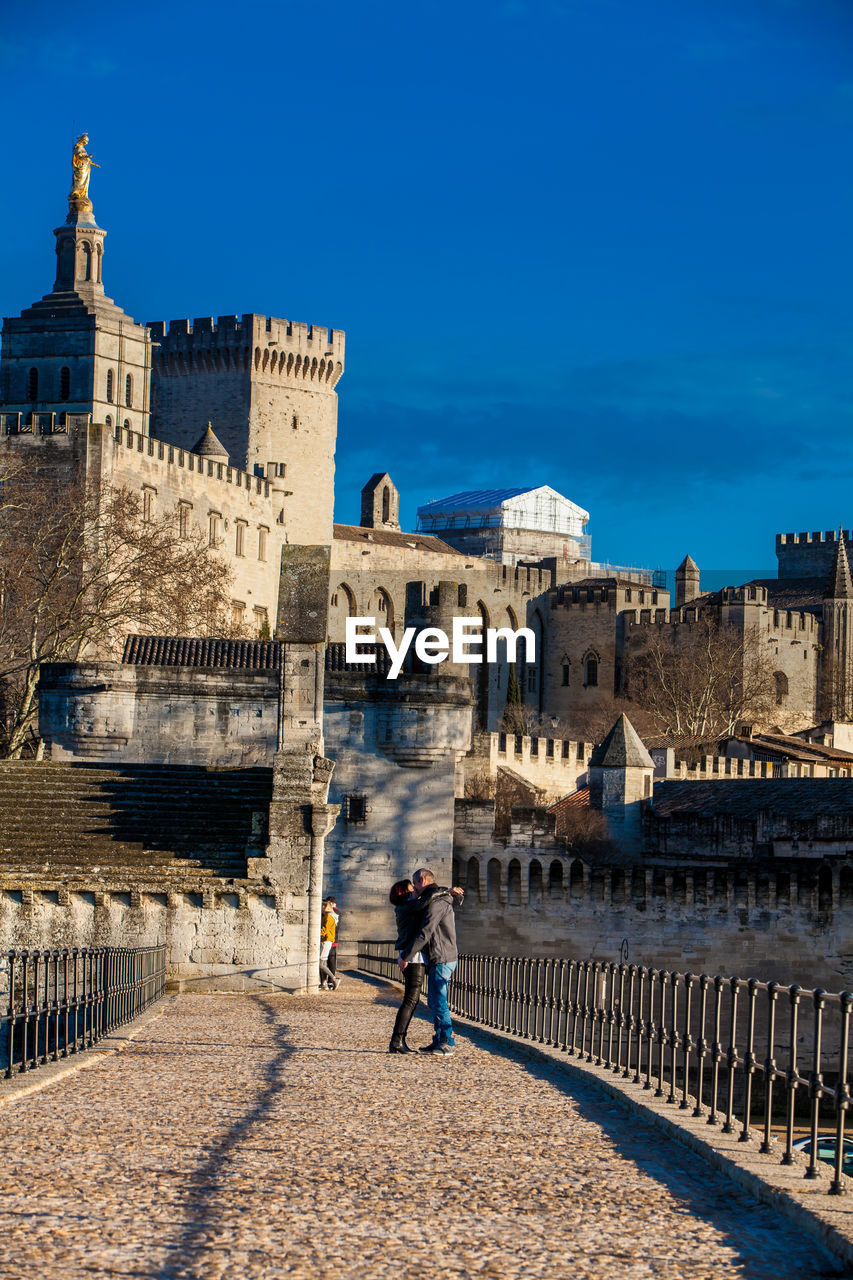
(209, 445)
(621, 776)
(380, 503)
(686, 581)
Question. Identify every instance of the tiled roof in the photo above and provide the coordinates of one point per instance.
(178, 651)
(575, 800)
(792, 593)
(788, 744)
(386, 538)
(794, 797)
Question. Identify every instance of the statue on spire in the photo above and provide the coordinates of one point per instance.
(81, 171)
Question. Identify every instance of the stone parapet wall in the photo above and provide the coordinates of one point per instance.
(556, 766)
(789, 922)
(231, 935)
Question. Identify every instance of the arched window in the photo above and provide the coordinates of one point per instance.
(128, 391)
(591, 672)
(99, 251)
(127, 424)
(64, 382)
(110, 380)
(33, 385)
(386, 505)
(87, 262)
(781, 682)
(109, 421)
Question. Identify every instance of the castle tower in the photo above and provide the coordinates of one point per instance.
(380, 503)
(686, 581)
(621, 776)
(75, 351)
(836, 683)
(269, 385)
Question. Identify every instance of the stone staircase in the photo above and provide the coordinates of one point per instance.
(65, 822)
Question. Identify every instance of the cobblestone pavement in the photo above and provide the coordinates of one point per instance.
(273, 1136)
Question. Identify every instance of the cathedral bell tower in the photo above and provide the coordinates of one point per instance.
(75, 351)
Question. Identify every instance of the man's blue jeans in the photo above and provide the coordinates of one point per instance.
(438, 978)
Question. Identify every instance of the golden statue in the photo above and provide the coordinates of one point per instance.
(81, 171)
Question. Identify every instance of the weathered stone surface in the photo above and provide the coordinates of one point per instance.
(269, 1136)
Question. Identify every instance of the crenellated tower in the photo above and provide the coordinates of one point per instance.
(75, 351)
(269, 385)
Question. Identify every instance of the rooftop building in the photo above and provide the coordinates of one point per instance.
(510, 525)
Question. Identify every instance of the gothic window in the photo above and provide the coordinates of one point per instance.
(99, 253)
(386, 505)
(87, 262)
(33, 385)
(110, 380)
(64, 382)
(591, 672)
(781, 682)
(262, 543)
(110, 423)
(565, 674)
(127, 424)
(128, 391)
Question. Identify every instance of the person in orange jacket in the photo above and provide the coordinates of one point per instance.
(328, 926)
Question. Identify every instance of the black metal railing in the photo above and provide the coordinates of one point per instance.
(58, 1002)
(757, 1058)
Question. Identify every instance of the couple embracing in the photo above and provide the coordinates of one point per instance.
(426, 946)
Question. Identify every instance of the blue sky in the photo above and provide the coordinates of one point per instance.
(598, 244)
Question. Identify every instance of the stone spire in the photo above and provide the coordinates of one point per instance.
(209, 445)
(686, 581)
(840, 584)
(622, 749)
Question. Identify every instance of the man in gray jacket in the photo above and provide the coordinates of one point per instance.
(437, 940)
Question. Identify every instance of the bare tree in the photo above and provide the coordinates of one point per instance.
(79, 569)
(700, 681)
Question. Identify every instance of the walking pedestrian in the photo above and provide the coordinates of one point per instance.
(327, 937)
(332, 961)
(407, 910)
(436, 940)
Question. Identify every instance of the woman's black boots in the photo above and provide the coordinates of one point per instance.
(398, 1045)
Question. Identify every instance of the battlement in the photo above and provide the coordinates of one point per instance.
(749, 594)
(572, 595)
(818, 538)
(274, 345)
(41, 424)
(525, 579)
(206, 468)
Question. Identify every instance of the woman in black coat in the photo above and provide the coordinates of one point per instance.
(408, 911)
